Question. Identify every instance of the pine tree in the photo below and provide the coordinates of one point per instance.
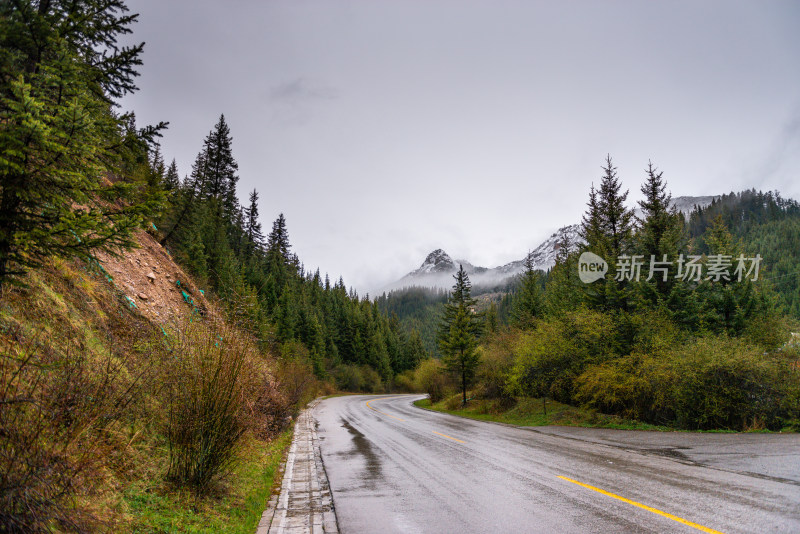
(607, 230)
(459, 331)
(492, 321)
(278, 247)
(157, 169)
(221, 167)
(660, 234)
(564, 246)
(616, 218)
(62, 67)
(190, 195)
(562, 289)
(527, 303)
(727, 305)
(252, 227)
(592, 224)
(171, 179)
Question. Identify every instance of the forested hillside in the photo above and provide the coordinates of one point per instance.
(264, 286)
(418, 309)
(766, 224)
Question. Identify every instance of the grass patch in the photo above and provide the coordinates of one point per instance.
(530, 412)
(239, 510)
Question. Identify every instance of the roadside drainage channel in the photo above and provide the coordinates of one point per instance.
(304, 504)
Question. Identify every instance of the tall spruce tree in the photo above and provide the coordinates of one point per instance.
(660, 235)
(527, 304)
(459, 331)
(278, 247)
(616, 218)
(190, 195)
(252, 227)
(562, 292)
(607, 229)
(220, 171)
(62, 68)
(171, 178)
(592, 224)
(158, 169)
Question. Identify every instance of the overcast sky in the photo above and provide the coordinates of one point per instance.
(386, 129)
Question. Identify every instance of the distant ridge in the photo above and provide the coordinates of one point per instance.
(438, 267)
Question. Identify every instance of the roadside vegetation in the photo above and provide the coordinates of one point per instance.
(528, 411)
(704, 352)
(113, 423)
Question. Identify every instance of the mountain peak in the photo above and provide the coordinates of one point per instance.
(437, 261)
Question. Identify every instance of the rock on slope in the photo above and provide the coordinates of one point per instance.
(154, 283)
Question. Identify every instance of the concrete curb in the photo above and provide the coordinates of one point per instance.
(305, 504)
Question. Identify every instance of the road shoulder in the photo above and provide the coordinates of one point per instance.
(304, 504)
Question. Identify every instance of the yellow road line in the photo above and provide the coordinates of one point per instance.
(448, 437)
(384, 413)
(644, 507)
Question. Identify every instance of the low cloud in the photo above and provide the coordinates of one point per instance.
(302, 89)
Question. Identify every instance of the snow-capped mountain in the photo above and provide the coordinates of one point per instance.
(544, 256)
(437, 262)
(686, 205)
(438, 268)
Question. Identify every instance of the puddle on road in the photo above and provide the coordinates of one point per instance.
(363, 448)
(672, 452)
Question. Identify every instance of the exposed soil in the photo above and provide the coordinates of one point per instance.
(154, 283)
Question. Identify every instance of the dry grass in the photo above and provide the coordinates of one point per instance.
(91, 397)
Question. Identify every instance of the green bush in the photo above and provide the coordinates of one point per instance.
(405, 382)
(431, 377)
(618, 387)
(349, 378)
(727, 383)
(372, 380)
(355, 378)
(496, 360)
(714, 382)
(548, 358)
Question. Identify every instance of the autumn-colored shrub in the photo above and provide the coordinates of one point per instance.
(432, 378)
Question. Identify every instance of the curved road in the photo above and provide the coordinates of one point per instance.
(393, 467)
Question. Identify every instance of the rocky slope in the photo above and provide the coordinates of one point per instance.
(154, 284)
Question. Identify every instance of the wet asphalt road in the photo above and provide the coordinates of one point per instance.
(393, 467)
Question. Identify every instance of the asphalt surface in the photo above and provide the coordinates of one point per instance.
(393, 467)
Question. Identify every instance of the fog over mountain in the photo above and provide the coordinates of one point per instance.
(438, 268)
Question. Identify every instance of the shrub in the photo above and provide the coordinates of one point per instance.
(548, 358)
(207, 410)
(405, 382)
(372, 380)
(432, 378)
(496, 362)
(59, 413)
(295, 374)
(349, 378)
(709, 383)
(618, 387)
(726, 383)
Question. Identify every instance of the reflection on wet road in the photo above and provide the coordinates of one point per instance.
(396, 468)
